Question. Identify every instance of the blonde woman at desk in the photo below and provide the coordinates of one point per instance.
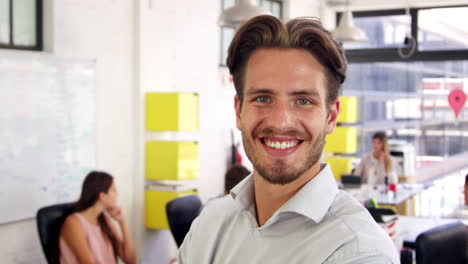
(89, 235)
(377, 165)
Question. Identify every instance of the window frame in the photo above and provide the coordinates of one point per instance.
(391, 54)
(38, 30)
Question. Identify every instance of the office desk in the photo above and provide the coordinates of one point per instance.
(413, 226)
(398, 202)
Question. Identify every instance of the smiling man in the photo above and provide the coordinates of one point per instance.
(289, 210)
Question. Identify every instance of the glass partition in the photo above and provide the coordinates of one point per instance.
(409, 100)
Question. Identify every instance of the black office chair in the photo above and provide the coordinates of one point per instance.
(447, 244)
(350, 179)
(49, 221)
(180, 214)
(379, 213)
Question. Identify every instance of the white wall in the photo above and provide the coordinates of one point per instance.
(101, 30)
(179, 47)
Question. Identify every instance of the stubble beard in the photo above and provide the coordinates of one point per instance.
(280, 173)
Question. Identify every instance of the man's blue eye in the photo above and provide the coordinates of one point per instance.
(303, 101)
(262, 99)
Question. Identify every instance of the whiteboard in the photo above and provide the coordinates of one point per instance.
(47, 131)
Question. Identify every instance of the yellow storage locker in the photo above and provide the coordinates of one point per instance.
(155, 206)
(348, 109)
(342, 140)
(340, 165)
(172, 111)
(172, 160)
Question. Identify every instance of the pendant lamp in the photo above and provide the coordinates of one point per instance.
(242, 11)
(347, 31)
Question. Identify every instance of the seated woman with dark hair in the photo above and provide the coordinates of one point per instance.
(89, 235)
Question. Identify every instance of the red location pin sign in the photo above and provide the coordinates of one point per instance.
(457, 99)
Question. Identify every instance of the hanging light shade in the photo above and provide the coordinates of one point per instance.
(240, 12)
(347, 31)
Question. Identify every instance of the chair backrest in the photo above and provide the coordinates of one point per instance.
(180, 214)
(443, 244)
(350, 179)
(379, 213)
(49, 221)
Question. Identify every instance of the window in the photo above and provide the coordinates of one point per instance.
(409, 100)
(437, 31)
(227, 33)
(407, 97)
(21, 24)
(442, 29)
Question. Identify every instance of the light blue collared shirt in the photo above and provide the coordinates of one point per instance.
(319, 224)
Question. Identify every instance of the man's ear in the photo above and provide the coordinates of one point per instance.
(237, 107)
(332, 118)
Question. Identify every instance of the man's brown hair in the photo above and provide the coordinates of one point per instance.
(304, 33)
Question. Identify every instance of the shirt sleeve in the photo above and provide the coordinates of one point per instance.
(183, 256)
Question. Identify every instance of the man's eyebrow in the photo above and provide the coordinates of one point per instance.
(306, 92)
(254, 91)
(258, 91)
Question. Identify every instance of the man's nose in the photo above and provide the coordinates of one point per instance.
(281, 116)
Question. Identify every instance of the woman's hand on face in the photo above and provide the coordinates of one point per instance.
(116, 213)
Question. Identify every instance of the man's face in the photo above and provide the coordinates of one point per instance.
(284, 116)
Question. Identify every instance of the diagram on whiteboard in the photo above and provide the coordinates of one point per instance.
(47, 131)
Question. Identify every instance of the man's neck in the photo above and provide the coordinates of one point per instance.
(270, 197)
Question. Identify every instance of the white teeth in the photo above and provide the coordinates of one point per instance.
(281, 145)
(284, 145)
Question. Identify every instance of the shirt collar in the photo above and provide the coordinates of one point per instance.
(313, 200)
(243, 192)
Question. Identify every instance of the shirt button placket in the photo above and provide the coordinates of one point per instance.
(257, 233)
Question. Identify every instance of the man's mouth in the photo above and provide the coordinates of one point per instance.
(281, 143)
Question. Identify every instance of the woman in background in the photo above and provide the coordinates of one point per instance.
(89, 235)
(377, 165)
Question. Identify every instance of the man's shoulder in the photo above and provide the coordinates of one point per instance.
(344, 205)
(369, 238)
(219, 208)
(354, 215)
